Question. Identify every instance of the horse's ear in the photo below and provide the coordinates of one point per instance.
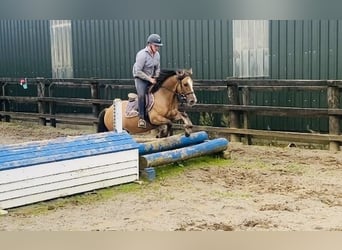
(188, 72)
(180, 73)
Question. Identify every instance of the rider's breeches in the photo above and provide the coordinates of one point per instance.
(142, 88)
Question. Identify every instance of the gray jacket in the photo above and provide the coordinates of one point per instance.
(145, 65)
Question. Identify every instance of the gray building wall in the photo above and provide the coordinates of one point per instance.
(310, 49)
(304, 49)
(25, 48)
(107, 48)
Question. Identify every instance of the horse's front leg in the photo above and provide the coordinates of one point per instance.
(187, 122)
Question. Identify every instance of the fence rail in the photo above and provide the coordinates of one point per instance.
(238, 108)
(239, 94)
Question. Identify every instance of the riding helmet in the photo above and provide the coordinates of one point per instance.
(154, 39)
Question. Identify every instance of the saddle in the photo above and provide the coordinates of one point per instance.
(132, 109)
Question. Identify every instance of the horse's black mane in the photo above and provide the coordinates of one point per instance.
(163, 75)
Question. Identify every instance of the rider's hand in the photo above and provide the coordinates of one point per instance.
(153, 80)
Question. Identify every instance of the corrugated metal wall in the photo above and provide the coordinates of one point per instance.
(107, 48)
(25, 48)
(307, 49)
(303, 49)
(310, 49)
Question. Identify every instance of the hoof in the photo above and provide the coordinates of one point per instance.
(188, 131)
(187, 134)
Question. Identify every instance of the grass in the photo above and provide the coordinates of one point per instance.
(232, 195)
(175, 169)
(77, 199)
(292, 168)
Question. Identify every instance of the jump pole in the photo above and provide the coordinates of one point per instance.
(172, 142)
(170, 156)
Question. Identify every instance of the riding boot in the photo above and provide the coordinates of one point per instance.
(141, 123)
(142, 113)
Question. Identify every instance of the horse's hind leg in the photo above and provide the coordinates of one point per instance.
(101, 127)
(169, 129)
(164, 130)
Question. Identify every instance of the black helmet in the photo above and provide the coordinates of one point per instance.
(154, 39)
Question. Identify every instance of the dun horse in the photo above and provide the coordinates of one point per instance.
(172, 87)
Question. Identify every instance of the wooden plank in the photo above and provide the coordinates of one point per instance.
(212, 108)
(65, 192)
(280, 82)
(282, 88)
(62, 117)
(100, 140)
(62, 100)
(210, 88)
(25, 185)
(265, 110)
(292, 136)
(63, 149)
(66, 183)
(62, 155)
(20, 99)
(52, 169)
(61, 141)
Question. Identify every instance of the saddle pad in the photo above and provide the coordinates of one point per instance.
(132, 106)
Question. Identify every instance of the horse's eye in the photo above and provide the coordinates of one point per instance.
(186, 84)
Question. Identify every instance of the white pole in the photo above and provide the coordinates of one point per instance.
(117, 116)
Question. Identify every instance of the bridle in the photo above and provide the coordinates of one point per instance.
(180, 96)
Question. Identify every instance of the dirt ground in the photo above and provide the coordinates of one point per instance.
(260, 188)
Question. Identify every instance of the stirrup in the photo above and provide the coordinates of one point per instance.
(141, 123)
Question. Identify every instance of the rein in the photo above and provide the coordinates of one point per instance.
(182, 95)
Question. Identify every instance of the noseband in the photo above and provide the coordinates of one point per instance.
(180, 96)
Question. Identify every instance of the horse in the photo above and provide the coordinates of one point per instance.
(173, 87)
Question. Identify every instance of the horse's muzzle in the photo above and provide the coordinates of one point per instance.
(192, 101)
(191, 98)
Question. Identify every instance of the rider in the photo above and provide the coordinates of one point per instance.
(145, 71)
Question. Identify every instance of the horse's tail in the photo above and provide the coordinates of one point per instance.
(101, 127)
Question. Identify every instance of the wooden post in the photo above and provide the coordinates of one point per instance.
(108, 92)
(245, 101)
(5, 103)
(334, 121)
(94, 89)
(52, 106)
(95, 95)
(41, 104)
(234, 119)
(1, 101)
